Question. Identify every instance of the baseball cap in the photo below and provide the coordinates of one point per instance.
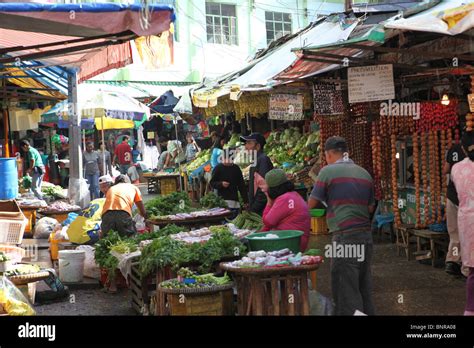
(259, 138)
(336, 143)
(106, 179)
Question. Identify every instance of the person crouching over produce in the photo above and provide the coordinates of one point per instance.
(117, 211)
(228, 180)
(285, 209)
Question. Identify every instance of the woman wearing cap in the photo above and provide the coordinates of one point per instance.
(286, 209)
(463, 177)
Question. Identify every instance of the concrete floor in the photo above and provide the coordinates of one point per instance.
(401, 287)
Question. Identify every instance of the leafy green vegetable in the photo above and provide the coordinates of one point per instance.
(313, 252)
(248, 220)
(177, 202)
(211, 200)
(102, 252)
(158, 254)
(165, 231)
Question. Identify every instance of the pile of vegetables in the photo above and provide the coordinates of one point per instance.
(211, 200)
(166, 251)
(55, 192)
(201, 158)
(22, 269)
(104, 246)
(60, 206)
(4, 257)
(177, 202)
(233, 141)
(248, 221)
(291, 146)
(188, 280)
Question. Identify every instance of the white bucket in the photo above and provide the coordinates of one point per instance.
(71, 265)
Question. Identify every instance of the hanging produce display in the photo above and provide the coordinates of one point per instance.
(416, 170)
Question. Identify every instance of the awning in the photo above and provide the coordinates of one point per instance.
(449, 17)
(86, 19)
(140, 89)
(318, 59)
(91, 38)
(259, 74)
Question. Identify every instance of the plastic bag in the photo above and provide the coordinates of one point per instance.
(79, 192)
(44, 228)
(139, 223)
(12, 301)
(91, 269)
(85, 228)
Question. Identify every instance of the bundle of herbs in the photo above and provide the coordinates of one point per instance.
(177, 202)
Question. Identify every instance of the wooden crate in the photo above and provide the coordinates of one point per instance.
(31, 216)
(136, 289)
(218, 303)
(319, 225)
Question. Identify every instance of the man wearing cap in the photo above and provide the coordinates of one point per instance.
(348, 192)
(119, 201)
(105, 181)
(254, 144)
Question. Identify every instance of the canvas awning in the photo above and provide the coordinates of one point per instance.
(90, 38)
(451, 17)
(259, 74)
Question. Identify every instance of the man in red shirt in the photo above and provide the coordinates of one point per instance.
(123, 153)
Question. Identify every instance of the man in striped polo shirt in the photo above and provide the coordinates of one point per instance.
(348, 193)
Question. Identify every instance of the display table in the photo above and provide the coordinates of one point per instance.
(155, 182)
(429, 243)
(196, 222)
(272, 291)
(58, 215)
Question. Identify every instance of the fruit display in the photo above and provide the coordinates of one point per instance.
(201, 158)
(416, 170)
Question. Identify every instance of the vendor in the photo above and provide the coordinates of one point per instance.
(228, 180)
(254, 144)
(192, 148)
(36, 168)
(285, 209)
(119, 201)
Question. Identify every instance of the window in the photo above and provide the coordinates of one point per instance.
(278, 24)
(221, 24)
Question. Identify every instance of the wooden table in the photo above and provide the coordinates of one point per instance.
(154, 178)
(436, 240)
(194, 222)
(272, 291)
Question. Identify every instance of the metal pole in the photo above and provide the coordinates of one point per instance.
(103, 142)
(75, 153)
(179, 164)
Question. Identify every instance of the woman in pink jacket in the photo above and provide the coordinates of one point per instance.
(286, 209)
(463, 178)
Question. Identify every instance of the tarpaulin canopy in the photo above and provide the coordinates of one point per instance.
(258, 75)
(91, 38)
(449, 17)
(164, 104)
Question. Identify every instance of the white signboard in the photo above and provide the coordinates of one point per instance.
(287, 107)
(371, 83)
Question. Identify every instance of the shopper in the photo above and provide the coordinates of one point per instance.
(261, 165)
(228, 180)
(216, 152)
(103, 153)
(286, 209)
(348, 192)
(123, 155)
(36, 168)
(192, 148)
(453, 257)
(90, 160)
(119, 201)
(463, 177)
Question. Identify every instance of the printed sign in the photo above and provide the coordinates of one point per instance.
(328, 99)
(371, 83)
(287, 107)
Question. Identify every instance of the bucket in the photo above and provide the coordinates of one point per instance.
(71, 265)
(9, 175)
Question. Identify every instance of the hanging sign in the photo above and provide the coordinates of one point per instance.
(288, 107)
(371, 83)
(328, 99)
(470, 99)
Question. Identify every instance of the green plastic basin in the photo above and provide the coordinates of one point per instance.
(317, 212)
(287, 239)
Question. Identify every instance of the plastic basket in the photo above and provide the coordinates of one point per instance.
(12, 223)
(287, 239)
(15, 254)
(168, 186)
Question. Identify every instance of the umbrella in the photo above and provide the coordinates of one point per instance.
(107, 110)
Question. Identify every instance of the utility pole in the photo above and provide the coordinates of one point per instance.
(347, 5)
(75, 152)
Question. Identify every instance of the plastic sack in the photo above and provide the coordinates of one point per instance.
(44, 227)
(79, 192)
(91, 269)
(383, 219)
(139, 223)
(85, 228)
(12, 301)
